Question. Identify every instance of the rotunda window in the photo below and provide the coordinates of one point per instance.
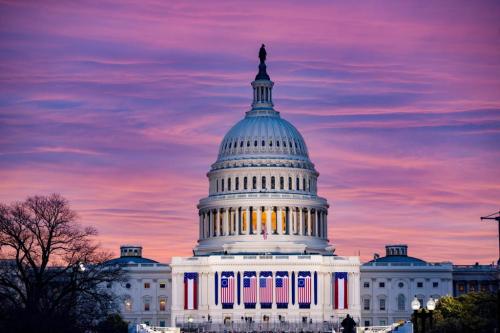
(241, 144)
(284, 144)
(254, 183)
(229, 184)
(303, 184)
(222, 185)
(270, 143)
(277, 143)
(282, 183)
(263, 143)
(255, 143)
(273, 183)
(263, 183)
(237, 183)
(248, 143)
(297, 184)
(245, 183)
(290, 183)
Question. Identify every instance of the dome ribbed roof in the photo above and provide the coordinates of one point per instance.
(263, 135)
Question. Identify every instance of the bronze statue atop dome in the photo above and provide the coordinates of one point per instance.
(262, 54)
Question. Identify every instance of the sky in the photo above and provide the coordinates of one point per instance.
(120, 107)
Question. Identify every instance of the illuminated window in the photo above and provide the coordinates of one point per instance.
(163, 304)
(128, 305)
(147, 304)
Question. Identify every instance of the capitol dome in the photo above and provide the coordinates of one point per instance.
(263, 187)
(263, 135)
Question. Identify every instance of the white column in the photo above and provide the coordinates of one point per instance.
(247, 232)
(280, 221)
(268, 222)
(289, 223)
(210, 223)
(317, 223)
(259, 221)
(217, 223)
(237, 220)
(226, 222)
(301, 224)
(309, 224)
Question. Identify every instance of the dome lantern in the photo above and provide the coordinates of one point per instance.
(262, 86)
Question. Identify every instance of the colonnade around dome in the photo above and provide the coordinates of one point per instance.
(234, 221)
(260, 181)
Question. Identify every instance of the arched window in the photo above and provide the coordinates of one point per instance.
(254, 183)
(297, 184)
(217, 185)
(263, 143)
(248, 143)
(229, 184)
(263, 183)
(222, 185)
(237, 183)
(282, 183)
(277, 143)
(401, 302)
(245, 183)
(290, 183)
(270, 143)
(273, 183)
(309, 185)
(255, 143)
(303, 184)
(284, 144)
(241, 144)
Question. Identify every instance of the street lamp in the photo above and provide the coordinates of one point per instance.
(415, 306)
(431, 305)
(190, 322)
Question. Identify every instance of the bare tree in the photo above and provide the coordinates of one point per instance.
(53, 275)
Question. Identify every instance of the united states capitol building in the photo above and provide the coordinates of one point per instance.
(263, 255)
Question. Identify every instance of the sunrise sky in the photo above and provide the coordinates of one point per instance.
(120, 107)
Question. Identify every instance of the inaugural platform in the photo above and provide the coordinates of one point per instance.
(263, 253)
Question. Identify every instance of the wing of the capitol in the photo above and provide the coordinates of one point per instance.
(263, 253)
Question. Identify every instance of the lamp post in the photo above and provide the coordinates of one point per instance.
(431, 305)
(190, 322)
(422, 313)
(415, 306)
